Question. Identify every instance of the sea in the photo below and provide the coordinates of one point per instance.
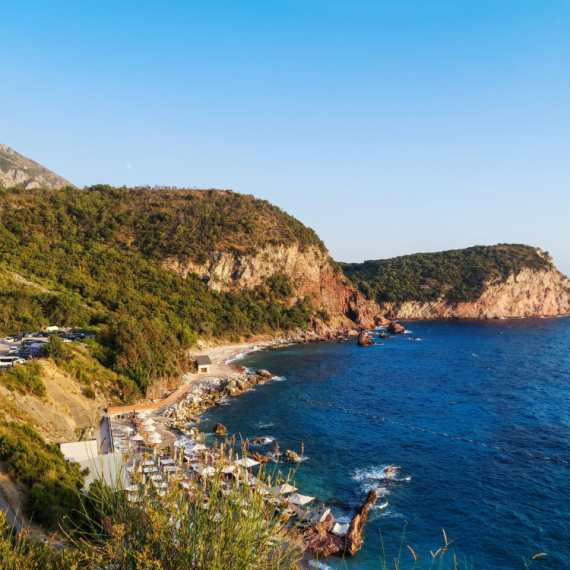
(502, 383)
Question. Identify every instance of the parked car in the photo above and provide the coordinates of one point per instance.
(8, 361)
(8, 339)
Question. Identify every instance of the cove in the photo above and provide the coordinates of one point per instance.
(505, 383)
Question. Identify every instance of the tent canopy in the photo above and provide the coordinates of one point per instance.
(298, 499)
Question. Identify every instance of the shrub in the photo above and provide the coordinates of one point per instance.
(25, 378)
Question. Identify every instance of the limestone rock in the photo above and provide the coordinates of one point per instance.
(395, 328)
(291, 456)
(364, 339)
(383, 334)
(220, 429)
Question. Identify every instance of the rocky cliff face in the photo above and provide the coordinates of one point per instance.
(310, 270)
(531, 293)
(17, 170)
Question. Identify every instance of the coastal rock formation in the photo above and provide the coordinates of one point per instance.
(220, 429)
(291, 456)
(310, 269)
(323, 539)
(383, 334)
(364, 339)
(17, 170)
(395, 328)
(529, 294)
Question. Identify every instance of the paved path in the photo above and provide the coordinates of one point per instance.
(166, 402)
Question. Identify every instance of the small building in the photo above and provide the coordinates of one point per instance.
(203, 364)
(79, 450)
(109, 468)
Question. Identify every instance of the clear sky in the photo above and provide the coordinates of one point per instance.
(389, 127)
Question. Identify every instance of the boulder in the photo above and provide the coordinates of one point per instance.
(383, 334)
(259, 441)
(220, 429)
(264, 373)
(291, 456)
(395, 328)
(364, 339)
(352, 332)
(381, 321)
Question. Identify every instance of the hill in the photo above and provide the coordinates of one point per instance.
(17, 170)
(504, 280)
(127, 262)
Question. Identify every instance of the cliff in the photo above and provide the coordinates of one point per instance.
(476, 283)
(310, 270)
(17, 170)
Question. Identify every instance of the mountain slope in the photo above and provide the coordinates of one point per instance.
(477, 282)
(125, 260)
(17, 170)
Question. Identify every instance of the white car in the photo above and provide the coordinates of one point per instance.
(7, 361)
(8, 339)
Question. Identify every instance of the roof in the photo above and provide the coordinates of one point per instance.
(79, 450)
(203, 360)
(110, 467)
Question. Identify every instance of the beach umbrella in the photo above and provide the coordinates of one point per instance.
(148, 422)
(137, 437)
(228, 469)
(128, 430)
(148, 429)
(194, 448)
(207, 471)
(246, 462)
(298, 499)
(282, 489)
(155, 438)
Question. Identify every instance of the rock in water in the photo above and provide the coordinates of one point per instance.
(395, 328)
(384, 335)
(291, 456)
(264, 373)
(220, 429)
(364, 339)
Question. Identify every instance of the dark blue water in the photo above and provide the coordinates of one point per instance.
(505, 383)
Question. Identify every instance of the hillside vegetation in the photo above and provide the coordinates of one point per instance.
(459, 275)
(97, 254)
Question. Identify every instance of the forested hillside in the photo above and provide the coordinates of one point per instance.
(459, 275)
(96, 256)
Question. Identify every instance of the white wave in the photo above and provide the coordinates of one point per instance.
(385, 472)
(379, 506)
(262, 425)
(241, 355)
(279, 379)
(406, 331)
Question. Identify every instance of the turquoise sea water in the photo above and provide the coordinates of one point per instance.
(504, 383)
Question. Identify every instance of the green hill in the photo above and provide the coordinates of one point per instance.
(99, 254)
(458, 275)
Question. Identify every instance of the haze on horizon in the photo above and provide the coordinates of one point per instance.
(389, 127)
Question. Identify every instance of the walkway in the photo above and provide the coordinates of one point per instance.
(154, 405)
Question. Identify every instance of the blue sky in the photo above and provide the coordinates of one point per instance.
(389, 127)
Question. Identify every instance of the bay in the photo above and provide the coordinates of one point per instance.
(505, 383)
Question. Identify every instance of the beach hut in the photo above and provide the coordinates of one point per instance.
(203, 364)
